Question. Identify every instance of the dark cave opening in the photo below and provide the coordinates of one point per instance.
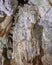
(22, 2)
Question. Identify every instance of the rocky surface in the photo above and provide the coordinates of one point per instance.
(23, 46)
(47, 59)
(11, 5)
(32, 34)
(27, 36)
(46, 22)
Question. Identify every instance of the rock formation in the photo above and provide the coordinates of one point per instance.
(26, 32)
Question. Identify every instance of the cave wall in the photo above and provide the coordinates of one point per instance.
(39, 35)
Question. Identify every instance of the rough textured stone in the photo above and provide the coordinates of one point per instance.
(24, 47)
(11, 5)
(32, 38)
(45, 11)
(44, 7)
(46, 22)
(47, 29)
(47, 59)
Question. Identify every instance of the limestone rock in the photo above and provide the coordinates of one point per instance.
(47, 60)
(8, 6)
(47, 30)
(32, 38)
(24, 47)
(44, 8)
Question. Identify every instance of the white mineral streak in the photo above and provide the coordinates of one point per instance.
(22, 45)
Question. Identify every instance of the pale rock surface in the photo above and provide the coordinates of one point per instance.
(46, 22)
(47, 59)
(24, 44)
(45, 11)
(7, 6)
(44, 7)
